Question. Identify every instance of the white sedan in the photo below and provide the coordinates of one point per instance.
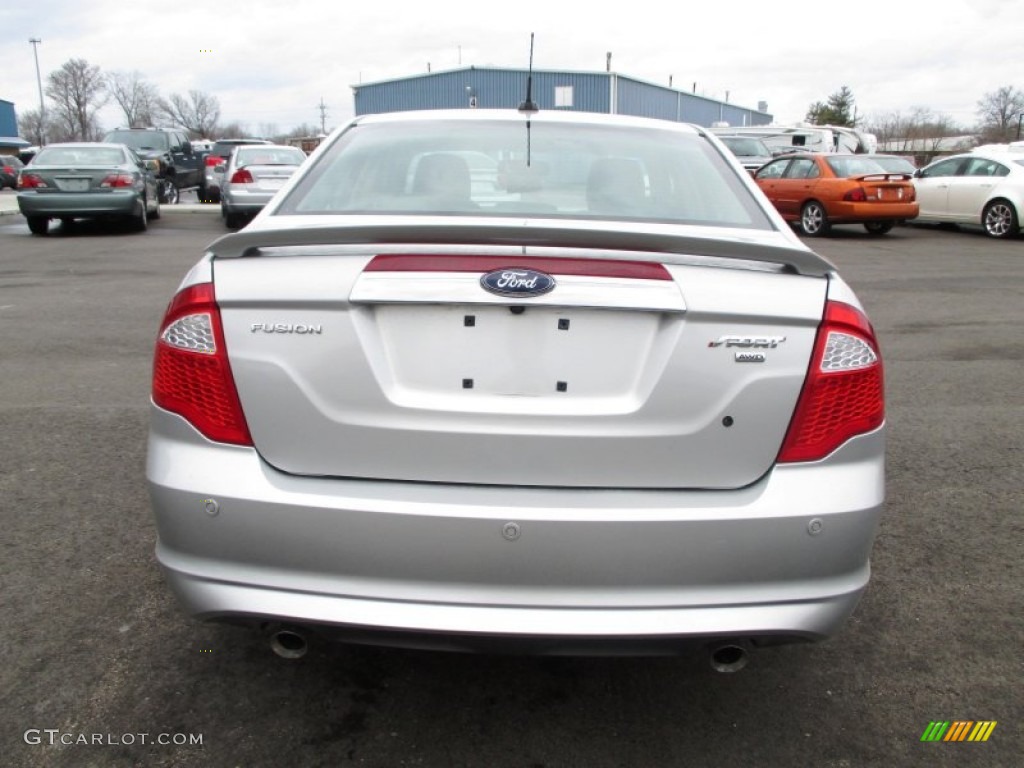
(983, 187)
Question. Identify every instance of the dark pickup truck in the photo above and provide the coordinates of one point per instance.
(180, 167)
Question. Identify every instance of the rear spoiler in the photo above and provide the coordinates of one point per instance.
(673, 244)
(894, 176)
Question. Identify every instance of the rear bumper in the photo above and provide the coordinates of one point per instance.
(785, 559)
(113, 203)
(848, 213)
(242, 201)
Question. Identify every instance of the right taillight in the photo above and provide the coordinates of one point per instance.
(117, 180)
(843, 395)
(191, 373)
(212, 160)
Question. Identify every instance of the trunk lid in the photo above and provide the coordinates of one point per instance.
(269, 178)
(638, 370)
(887, 188)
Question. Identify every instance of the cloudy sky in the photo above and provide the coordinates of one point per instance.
(270, 62)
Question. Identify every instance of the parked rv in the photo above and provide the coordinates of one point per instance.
(802, 137)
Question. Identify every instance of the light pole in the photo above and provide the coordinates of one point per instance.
(1019, 118)
(39, 81)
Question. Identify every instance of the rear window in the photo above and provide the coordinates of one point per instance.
(145, 140)
(224, 148)
(845, 167)
(895, 164)
(552, 170)
(80, 156)
(746, 147)
(258, 155)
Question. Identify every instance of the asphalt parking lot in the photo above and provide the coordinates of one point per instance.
(96, 648)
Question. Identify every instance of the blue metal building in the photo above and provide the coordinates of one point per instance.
(607, 92)
(9, 140)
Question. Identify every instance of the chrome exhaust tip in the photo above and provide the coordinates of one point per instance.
(289, 644)
(728, 657)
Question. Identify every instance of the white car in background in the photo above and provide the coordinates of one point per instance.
(983, 187)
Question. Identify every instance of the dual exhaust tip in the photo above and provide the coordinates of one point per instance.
(290, 643)
(728, 657)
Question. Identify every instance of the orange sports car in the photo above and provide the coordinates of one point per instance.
(817, 190)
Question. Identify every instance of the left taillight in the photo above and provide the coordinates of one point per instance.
(191, 373)
(241, 176)
(31, 181)
(843, 395)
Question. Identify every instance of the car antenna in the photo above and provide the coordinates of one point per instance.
(528, 107)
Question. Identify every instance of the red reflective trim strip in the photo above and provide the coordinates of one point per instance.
(639, 270)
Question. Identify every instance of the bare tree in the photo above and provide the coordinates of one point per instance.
(234, 130)
(31, 126)
(1000, 112)
(302, 131)
(942, 127)
(889, 129)
(78, 92)
(920, 131)
(198, 114)
(137, 98)
(268, 130)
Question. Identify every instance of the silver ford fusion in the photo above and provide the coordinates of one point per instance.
(559, 382)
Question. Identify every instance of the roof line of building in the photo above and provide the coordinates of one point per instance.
(524, 72)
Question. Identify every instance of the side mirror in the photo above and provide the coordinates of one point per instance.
(918, 174)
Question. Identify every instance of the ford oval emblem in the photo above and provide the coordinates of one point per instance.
(511, 281)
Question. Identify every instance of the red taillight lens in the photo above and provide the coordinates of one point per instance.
(856, 195)
(191, 373)
(241, 177)
(212, 160)
(30, 181)
(844, 394)
(9, 170)
(116, 180)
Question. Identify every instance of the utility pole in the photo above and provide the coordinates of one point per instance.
(35, 41)
(323, 116)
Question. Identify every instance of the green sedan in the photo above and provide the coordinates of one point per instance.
(87, 180)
